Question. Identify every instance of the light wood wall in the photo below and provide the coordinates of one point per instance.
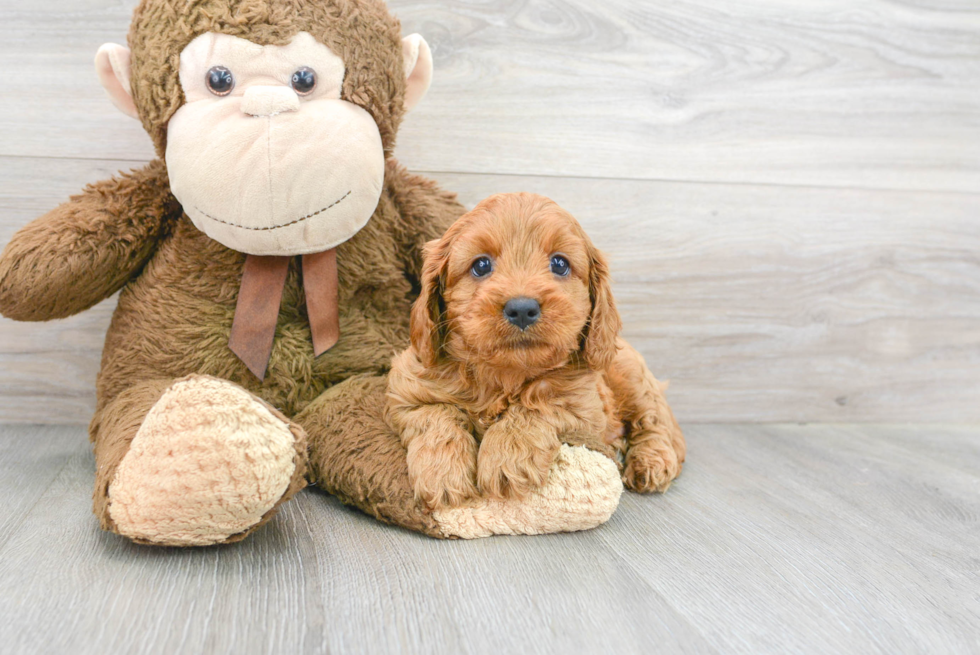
(789, 192)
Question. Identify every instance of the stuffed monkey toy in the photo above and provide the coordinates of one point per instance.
(267, 262)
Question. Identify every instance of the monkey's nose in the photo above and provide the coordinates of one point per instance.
(522, 312)
(269, 100)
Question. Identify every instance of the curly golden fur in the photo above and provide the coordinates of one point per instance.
(481, 403)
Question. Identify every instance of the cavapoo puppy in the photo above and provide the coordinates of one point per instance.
(515, 349)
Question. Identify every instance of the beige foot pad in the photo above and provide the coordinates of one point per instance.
(582, 492)
(207, 463)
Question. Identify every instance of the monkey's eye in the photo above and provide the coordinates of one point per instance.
(220, 81)
(481, 267)
(559, 265)
(304, 81)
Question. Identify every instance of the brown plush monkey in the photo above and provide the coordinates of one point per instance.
(267, 260)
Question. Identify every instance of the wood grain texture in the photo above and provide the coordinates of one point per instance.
(775, 539)
(882, 94)
(835, 538)
(28, 467)
(759, 303)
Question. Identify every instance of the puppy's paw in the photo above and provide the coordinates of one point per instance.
(443, 472)
(512, 465)
(651, 466)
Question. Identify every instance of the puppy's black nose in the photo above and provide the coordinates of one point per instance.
(522, 312)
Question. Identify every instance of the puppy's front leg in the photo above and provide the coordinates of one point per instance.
(516, 453)
(655, 446)
(441, 454)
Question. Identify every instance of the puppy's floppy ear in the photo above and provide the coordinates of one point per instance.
(604, 323)
(426, 328)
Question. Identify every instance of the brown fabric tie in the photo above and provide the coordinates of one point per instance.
(320, 285)
(257, 311)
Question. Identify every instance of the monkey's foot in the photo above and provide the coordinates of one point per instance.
(582, 492)
(209, 464)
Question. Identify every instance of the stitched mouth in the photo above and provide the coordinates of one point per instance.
(275, 227)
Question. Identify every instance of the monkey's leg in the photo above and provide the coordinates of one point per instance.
(358, 458)
(192, 462)
(655, 448)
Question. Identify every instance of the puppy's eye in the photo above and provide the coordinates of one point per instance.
(481, 267)
(304, 81)
(559, 265)
(220, 81)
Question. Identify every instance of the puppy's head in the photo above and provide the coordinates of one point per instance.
(515, 284)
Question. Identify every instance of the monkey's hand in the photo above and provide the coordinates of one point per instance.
(86, 249)
(516, 454)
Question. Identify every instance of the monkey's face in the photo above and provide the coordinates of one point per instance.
(264, 155)
(274, 140)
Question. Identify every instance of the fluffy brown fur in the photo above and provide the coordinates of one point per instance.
(482, 405)
(179, 287)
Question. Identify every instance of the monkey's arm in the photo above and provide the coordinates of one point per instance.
(86, 249)
(426, 211)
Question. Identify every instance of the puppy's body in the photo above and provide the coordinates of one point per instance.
(518, 421)
(514, 351)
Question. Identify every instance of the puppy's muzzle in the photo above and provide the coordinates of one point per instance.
(522, 312)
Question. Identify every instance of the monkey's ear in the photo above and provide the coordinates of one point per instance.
(418, 69)
(112, 65)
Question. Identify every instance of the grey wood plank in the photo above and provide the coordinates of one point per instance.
(760, 303)
(814, 539)
(29, 463)
(76, 589)
(881, 95)
(778, 539)
(954, 445)
(553, 595)
(319, 578)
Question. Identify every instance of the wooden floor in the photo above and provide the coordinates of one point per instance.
(776, 539)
